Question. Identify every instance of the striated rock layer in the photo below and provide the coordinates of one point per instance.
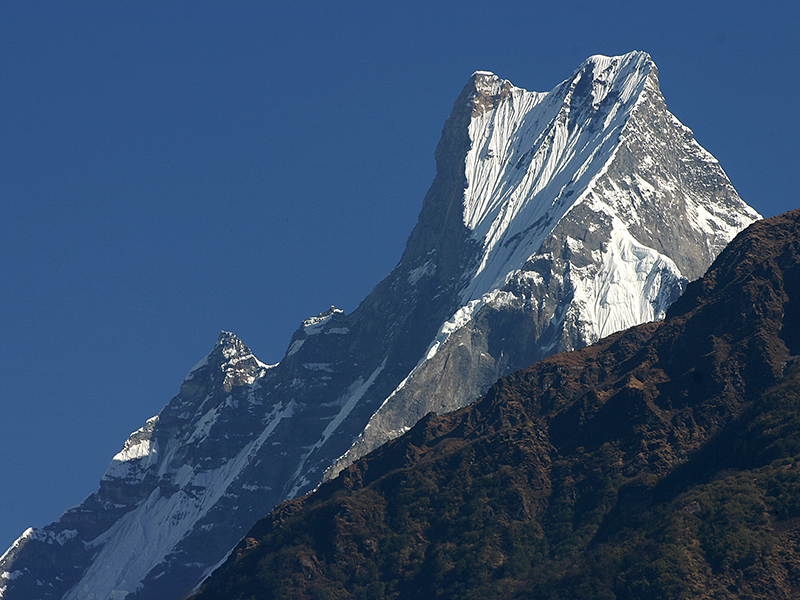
(554, 219)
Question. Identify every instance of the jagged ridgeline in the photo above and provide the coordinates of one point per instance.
(662, 462)
(554, 219)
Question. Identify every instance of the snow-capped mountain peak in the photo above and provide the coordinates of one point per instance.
(534, 154)
(587, 209)
(555, 218)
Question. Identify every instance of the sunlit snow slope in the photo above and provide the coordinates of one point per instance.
(554, 219)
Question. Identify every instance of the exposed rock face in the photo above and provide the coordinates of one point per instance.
(588, 207)
(661, 462)
(554, 219)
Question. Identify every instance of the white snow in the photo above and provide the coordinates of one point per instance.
(626, 291)
(528, 164)
(230, 352)
(316, 325)
(313, 325)
(26, 535)
(137, 446)
(6, 576)
(463, 316)
(527, 159)
(205, 423)
(532, 161)
(142, 538)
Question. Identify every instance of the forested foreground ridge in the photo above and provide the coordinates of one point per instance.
(661, 462)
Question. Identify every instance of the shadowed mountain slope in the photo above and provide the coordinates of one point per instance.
(661, 462)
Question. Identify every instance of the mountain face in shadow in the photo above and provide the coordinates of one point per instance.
(661, 462)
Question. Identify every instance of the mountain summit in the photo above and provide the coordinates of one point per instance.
(586, 210)
(554, 219)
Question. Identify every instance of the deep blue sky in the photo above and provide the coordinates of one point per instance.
(168, 170)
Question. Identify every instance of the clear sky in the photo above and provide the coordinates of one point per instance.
(172, 169)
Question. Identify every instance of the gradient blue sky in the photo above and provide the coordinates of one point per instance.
(169, 170)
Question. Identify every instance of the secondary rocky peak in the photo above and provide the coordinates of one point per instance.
(229, 345)
(237, 362)
(313, 325)
(230, 363)
(489, 90)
